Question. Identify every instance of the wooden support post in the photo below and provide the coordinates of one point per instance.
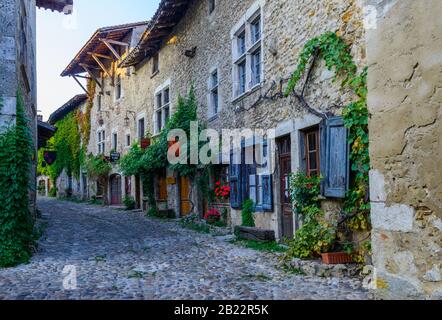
(80, 84)
(101, 65)
(111, 48)
(86, 68)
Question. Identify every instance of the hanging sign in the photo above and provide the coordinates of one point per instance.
(50, 157)
(115, 156)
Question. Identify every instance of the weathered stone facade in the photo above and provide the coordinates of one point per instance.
(404, 48)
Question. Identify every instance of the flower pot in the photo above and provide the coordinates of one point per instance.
(145, 143)
(336, 258)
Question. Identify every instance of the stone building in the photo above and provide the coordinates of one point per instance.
(404, 48)
(117, 119)
(237, 57)
(17, 62)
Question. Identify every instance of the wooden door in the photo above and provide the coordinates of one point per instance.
(285, 164)
(115, 189)
(138, 191)
(185, 205)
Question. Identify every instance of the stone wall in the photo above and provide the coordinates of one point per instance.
(404, 45)
(18, 69)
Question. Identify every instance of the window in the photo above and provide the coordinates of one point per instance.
(141, 129)
(114, 141)
(155, 63)
(162, 109)
(212, 4)
(247, 60)
(99, 102)
(128, 142)
(101, 142)
(214, 94)
(118, 91)
(246, 182)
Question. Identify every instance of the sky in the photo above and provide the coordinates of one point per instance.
(60, 37)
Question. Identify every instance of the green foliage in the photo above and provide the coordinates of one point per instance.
(16, 223)
(67, 142)
(53, 192)
(129, 203)
(272, 246)
(131, 163)
(194, 222)
(97, 166)
(247, 214)
(315, 236)
(336, 54)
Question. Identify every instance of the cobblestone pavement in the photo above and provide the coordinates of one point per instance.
(122, 255)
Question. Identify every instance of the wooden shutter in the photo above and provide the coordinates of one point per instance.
(235, 184)
(267, 192)
(334, 158)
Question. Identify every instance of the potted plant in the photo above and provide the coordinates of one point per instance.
(222, 191)
(145, 142)
(336, 258)
(212, 216)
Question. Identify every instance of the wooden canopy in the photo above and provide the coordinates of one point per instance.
(55, 5)
(98, 44)
(165, 19)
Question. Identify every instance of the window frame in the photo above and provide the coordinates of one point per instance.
(101, 141)
(162, 109)
(141, 130)
(214, 95)
(212, 6)
(118, 88)
(307, 133)
(114, 141)
(155, 63)
(244, 64)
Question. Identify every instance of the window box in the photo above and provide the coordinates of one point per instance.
(336, 258)
(144, 143)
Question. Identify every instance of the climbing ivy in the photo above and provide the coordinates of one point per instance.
(16, 223)
(99, 168)
(84, 119)
(67, 143)
(336, 54)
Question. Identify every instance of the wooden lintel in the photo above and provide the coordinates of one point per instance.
(111, 48)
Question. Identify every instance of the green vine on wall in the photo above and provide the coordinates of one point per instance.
(336, 54)
(16, 222)
(84, 119)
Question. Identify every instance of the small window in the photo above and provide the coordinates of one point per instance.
(155, 63)
(214, 94)
(99, 101)
(114, 141)
(101, 137)
(212, 5)
(311, 143)
(256, 67)
(255, 30)
(162, 109)
(242, 77)
(141, 128)
(128, 142)
(118, 91)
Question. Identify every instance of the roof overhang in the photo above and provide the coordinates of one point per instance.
(45, 132)
(168, 15)
(97, 46)
(56, 5)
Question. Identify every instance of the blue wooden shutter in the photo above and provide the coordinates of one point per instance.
(267, 192)
(235, 184)
(334, 158)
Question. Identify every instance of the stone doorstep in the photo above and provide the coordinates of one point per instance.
(317, 268)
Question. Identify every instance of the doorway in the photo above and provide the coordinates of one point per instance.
(285, 165)
(115, 189)
(185, 205)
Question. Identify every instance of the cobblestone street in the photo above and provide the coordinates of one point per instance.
(122, 255)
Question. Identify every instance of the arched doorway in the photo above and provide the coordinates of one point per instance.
(115, 190)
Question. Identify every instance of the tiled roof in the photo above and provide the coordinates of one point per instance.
(165, 19)
(68, 107)
(96, 46)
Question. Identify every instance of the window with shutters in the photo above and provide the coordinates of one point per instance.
(311, 143)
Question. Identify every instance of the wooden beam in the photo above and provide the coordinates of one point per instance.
(100, 55)
(112, 49)
(91, 74)
(118, 43)
(101, 65)
(80, 84)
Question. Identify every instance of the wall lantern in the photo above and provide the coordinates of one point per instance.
(127, 119)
